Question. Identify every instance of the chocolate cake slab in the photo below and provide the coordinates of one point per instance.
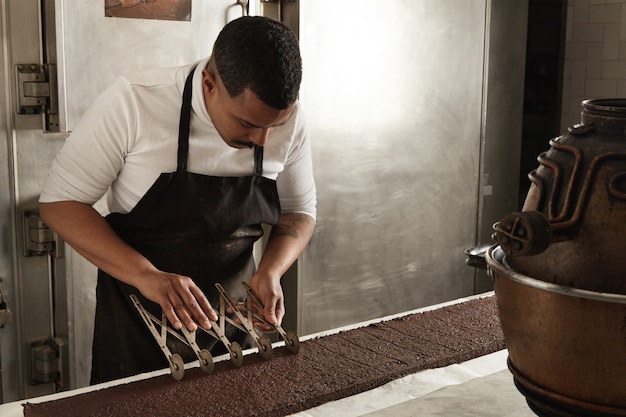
(325, 369)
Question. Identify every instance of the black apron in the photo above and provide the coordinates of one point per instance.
(196, 225)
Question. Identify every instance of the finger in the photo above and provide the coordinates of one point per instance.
(168, 309)
(270, 315)
(264, 326)
(201, 308)
(181, 312)
(280, 312)
(240, 306)
(274, 311)
(197, 314)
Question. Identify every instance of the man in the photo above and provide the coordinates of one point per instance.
(193, 160)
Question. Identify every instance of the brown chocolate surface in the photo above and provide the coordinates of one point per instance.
(325, 369)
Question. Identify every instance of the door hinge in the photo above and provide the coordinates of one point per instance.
(39, 239)
(49, 362)
(37, 92)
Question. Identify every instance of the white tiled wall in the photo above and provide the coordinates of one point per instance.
(595, 55)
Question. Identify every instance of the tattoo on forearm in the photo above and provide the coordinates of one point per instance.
(292, 226)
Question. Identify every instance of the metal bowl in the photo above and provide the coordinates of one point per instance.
(567, 347)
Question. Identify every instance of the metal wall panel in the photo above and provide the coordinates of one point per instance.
(394, 96)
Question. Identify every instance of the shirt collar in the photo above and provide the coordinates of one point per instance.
(197, 97)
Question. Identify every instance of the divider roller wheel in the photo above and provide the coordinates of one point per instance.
(265, 347)
(292, 343)
(236, 356)
(206, 361)
(177, 367)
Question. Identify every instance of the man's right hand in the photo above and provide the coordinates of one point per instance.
(182, 301)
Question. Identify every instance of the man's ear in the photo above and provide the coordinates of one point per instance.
(209, 82)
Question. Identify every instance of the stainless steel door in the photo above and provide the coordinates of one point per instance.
(53, 296)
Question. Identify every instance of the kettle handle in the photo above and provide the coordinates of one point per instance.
(475, 256)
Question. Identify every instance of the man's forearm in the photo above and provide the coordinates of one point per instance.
(85, 230)
(287, 241)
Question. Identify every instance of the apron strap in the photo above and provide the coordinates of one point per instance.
(183, 126)
(258, 160)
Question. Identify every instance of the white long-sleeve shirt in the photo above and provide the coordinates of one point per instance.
(129, 136)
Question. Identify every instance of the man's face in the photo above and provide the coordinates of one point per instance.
(242, 121)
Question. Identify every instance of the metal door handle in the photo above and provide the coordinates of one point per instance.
(244, 6)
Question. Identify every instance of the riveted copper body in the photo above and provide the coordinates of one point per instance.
(560, 271)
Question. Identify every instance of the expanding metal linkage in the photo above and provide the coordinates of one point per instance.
(292, 343)
(177, 365)
(246, 323)
(218, 331)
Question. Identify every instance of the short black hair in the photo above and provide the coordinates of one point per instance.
(263, 55)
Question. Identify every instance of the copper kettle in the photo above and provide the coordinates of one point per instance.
(559, 271)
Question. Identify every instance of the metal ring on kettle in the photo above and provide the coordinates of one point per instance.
(496, 260)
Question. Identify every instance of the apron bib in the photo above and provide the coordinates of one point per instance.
(196, 225)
